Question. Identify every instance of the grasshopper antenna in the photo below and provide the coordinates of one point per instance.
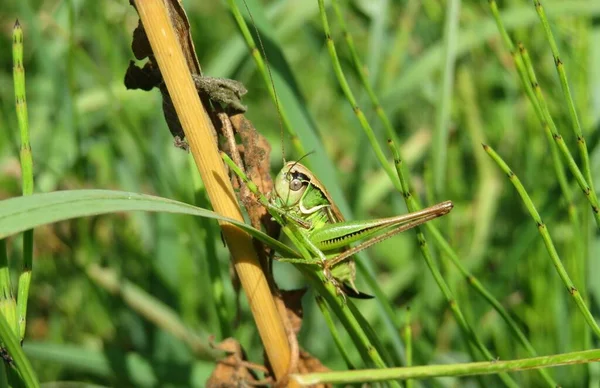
(302, 157)
(264, 53)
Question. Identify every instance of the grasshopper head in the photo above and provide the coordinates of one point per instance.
(291, 183)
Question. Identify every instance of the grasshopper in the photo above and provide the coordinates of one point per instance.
(301, 202)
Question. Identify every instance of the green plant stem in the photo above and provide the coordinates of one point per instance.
(361, 71)
(529, 82)
(562, 75)
(7, 299)
(555, 140)
(26, 174)
(13, 347)
(266, 75)
(356, 326)
(466, 369)
(550, 126)
(265, 72)
(487, 295)
(337, 69)
(573, 291)
(454, 258)
(465, 327)
(334, 332)
(407, 335)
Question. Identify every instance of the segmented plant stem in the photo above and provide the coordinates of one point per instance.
(562, 75)
(466, 328)
(26, 173)
(337, 68)
(360, 69)
(265, 72)
(573, 291)
(548, 121)
(529, 83)
(467, 369)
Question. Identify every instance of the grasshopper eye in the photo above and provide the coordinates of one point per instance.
(295, 184)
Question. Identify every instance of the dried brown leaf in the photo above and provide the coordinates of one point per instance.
(234, 370)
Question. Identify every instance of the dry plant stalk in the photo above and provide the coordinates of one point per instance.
(199, 132)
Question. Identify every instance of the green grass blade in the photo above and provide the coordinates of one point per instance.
(150, 308)
(22, 213)
(134, 369)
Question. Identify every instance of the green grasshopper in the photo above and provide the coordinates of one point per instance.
(301, 202)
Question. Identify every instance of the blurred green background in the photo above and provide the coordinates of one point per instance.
(88, 131)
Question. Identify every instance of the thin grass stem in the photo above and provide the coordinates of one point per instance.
(562, 75)
(26, 175)
(548, 121)
(529, 83)
(360, 69)
(407, 335)
(334, 332)
(337, 69)
(265, 72)
(573, 291)
(467, 369)
(15, 352)
(7, 299)
(465, 327)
